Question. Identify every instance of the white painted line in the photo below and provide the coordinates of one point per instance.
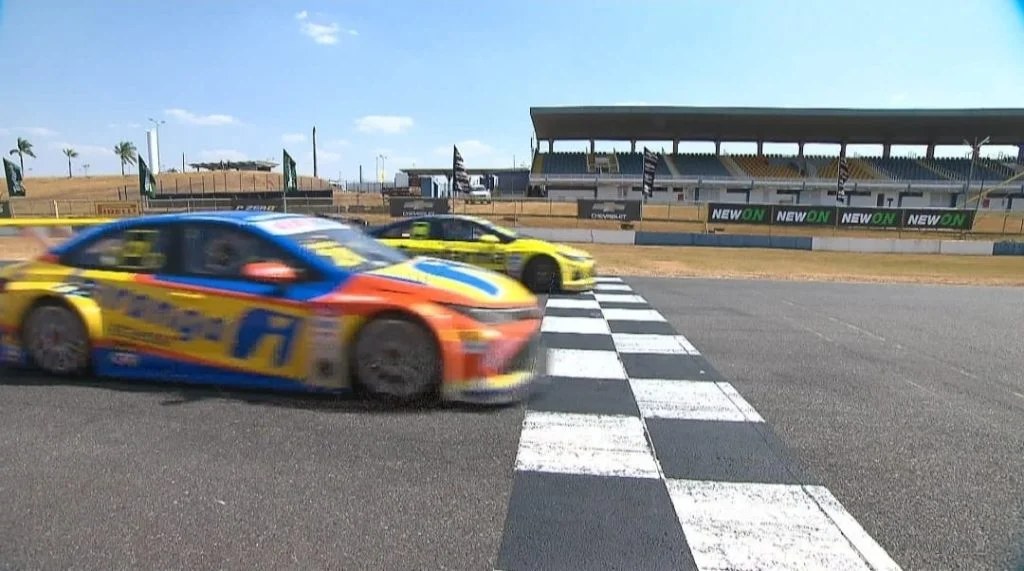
(619, 298)
(740, 403)
(759, 526)
(599, 445)
(573, 303)
(869, 549)
(611, 288)
(607, 279)
(688, 400)
(586, 364)
(632, 314)
(653, 344)
(582, 325)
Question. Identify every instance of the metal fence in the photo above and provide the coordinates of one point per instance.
(680, 216)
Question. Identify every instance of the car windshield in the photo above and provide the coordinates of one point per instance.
(343, 246)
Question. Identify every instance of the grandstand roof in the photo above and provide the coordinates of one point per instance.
(448, 171)
(781, 125)
(235, 165)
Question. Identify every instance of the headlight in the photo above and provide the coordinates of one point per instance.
(574, 258)
(492, 316)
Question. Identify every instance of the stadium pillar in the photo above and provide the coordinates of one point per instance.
(886, 150)
(842, 149)
(929, 152)
(800, 149)
(1020, 154)
(718, 148)
(632, 146)
(675, 147)
(551, 146)
(760, 148)
(591, 146)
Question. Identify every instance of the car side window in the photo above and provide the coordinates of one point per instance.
(402, 230)
(458, 230)
(222, 251)
(135, 250)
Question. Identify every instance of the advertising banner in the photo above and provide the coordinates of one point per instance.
(405, 207)
(842, 217)
(619, 210)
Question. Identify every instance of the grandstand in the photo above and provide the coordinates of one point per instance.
(874, 181)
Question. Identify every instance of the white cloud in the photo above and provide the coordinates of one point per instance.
(320, 32)
(337, 143)
(898, 98)
(293, 137)
(215, 119)
(323, 157)
(83, 150)
(34, 131)
(387, 124)
(124, 125)
(222, 155)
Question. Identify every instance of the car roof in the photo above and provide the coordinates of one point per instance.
(235, 217)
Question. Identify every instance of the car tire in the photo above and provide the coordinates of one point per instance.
(542, 275)
(397, 360)
(56, 340)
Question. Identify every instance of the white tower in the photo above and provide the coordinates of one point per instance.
(154, 151)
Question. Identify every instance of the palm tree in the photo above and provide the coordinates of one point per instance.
(70, 154)
(125, 150)
(24, 148)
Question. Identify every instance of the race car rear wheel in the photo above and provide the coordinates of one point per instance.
(56, 339)
(397, 360)
(542, 276)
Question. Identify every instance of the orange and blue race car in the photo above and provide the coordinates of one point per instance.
(273, 301)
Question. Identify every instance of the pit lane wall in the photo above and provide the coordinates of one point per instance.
(45, 232)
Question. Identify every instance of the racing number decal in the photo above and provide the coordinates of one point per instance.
(139, 250)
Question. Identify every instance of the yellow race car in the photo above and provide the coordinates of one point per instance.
(542, 266)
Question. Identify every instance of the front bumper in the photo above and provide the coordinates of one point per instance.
(511, 383)
(578, 276)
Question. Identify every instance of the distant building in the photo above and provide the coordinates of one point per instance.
(260, 166)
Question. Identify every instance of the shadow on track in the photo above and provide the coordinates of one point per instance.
(179, 394)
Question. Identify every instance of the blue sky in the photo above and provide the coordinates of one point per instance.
(407, 79)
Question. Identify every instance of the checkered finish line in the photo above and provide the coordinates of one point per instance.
(638, 455)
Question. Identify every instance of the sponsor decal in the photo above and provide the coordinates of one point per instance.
(124, 359)
(843, 217)
(117, 209)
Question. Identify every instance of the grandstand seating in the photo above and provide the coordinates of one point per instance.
(565, 163)
(778, 166)
(859, 169)
(768, 166)
(700, 165)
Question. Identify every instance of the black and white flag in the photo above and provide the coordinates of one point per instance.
(844, 175)
(460, 177)
(650, 165)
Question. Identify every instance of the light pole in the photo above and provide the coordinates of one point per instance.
(380, 169)
(975, 151)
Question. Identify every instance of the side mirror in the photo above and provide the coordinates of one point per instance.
(489, 239)
(270, 273)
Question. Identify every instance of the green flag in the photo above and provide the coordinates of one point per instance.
(291, 178)
(147, 183)
(15, 182)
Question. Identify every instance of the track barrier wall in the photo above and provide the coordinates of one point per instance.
(46, 232)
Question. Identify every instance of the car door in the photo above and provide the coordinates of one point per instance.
(257, 334)
(117, 270)
(414, 237)
(464, 241)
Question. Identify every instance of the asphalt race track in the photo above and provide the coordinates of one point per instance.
(903, 403)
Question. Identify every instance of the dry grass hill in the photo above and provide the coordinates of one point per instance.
(115, 186)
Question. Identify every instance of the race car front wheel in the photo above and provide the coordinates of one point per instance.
(56, 340)
(542, 276)
(397, 360)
